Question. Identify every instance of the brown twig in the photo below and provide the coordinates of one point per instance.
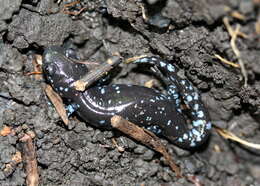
(33, 73)
(36, 61)
(29, 156)
(131, 59)
(97, 73)
(57, 102)
(100, 70)
(146, 137)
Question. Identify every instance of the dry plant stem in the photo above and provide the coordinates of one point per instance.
(29, 156)
(129, 60)
(96, 73)
(234, 35)
(57, 102)
(237, 53)
(257, 27)
(228, 26)
(146, 137)
(230, 29)
(229, 135)
(36, 61)
(144, 13)
(33, 73)
(238, 15)
(119, 148)
(226, 61)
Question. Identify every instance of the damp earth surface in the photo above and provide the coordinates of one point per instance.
(187, 33)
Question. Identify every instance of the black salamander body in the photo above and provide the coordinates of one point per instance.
(159, 113)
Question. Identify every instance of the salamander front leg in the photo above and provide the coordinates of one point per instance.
(70, 109)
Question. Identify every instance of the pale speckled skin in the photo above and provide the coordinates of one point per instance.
(146, 107)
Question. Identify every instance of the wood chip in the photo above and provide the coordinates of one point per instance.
(17, 157)
(6, 131)
(150, 83)
(57, 102)
(29, 157)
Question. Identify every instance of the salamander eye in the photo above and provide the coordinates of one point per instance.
(50, 69)
(71, 53)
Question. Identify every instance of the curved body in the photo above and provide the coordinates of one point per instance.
(146, 107)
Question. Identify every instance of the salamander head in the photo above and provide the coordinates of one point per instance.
(61, 71)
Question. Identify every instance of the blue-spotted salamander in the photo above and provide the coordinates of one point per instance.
(160, 113)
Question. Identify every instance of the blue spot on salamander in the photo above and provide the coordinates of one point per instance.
(102, 122)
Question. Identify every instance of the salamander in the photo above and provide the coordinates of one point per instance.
(160, 113)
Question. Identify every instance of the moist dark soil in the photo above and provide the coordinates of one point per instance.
(187, 33)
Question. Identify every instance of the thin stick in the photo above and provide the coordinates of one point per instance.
(238, 15)
(97, 73)
(230, 29)
(234, 35)
(146, 137)
(228, 26)
(257, 26)
(29, 156)
(226, 61)
(129, 60)
(229, 135)
(36, 61)
(32, 73)
(57, 102)
(237, 53)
